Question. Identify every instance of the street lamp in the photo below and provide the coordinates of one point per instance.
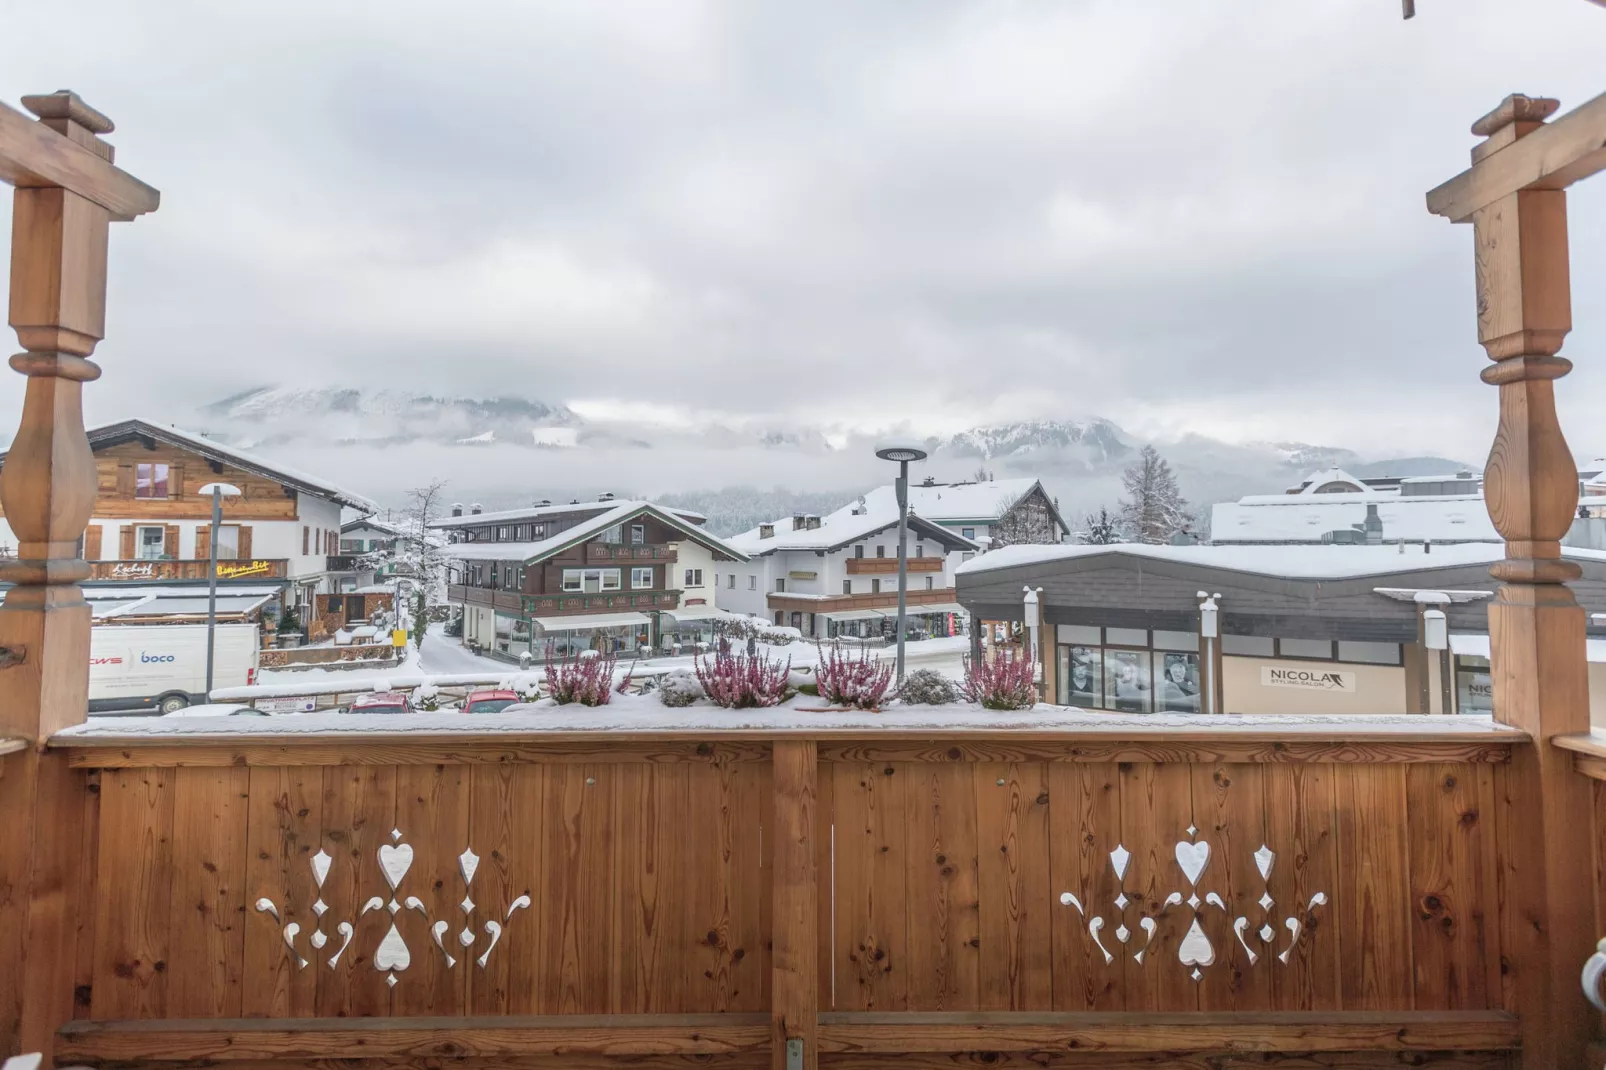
(218, 491)
(1210, 632)
(902, 455)
(1436, 637)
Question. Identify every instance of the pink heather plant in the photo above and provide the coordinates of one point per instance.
(845, 680)
(1005, 683)
(738, 682)
(577, 679)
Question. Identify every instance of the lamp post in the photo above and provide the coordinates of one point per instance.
(1210, 632)
(902, 455)
(218, 491)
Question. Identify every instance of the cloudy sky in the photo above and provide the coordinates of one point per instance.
(1182, 215)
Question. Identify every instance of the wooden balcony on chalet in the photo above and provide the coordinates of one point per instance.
(256, 568)
(883, 566)
(569, 602)
(607, 551)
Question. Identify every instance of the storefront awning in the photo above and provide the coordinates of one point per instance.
(856, 614)
(941, 607)
(690, 613)
(591, 622)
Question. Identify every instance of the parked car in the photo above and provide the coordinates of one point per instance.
(489, 701)
(381, 702)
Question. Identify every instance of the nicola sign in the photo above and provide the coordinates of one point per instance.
(233, 570)
(1307, 679)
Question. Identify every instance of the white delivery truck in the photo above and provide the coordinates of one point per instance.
(163, 666)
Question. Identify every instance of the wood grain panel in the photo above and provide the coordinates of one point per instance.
(1085, 826)
(1300, 827)
(1012, 807)
(359, 812)
(1156, 811)
(1450, 932)
(944, 935)
(432, 813)
(207, 920)
(657, 831)
(577, 931)
(506, 818)
(1374, 889)
(825, 878)
(871, 887)
(704, 947)
(135, 887)
(284, 826)
(1229, 808)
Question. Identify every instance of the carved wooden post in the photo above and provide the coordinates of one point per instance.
(1514, 195)
(67, 194)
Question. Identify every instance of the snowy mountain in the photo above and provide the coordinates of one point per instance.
(509, 451)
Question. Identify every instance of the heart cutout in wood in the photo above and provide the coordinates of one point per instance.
(392, 953)
(1196, 949)
(1193, 858)
(396, 861)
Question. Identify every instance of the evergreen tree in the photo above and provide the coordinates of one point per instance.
(1154, 508)
(1100, 528)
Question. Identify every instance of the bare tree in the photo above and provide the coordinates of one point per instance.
(417, 553)
(1154, 508)
(981, 475)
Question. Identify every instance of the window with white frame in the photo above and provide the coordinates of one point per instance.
(591, 580)
(640, 578)
(694, 577)
(638, 534)
(752, 583)
(780, 585)
(969, 533)
(573, 579)
(614, 535)
(610, 579)
(847, 586)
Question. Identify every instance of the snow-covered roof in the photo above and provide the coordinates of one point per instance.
(844, 526)
(1307, 517)
(538, 512)
(619, 513)
(949, 503)
(374, 523)
(1316, 480)
(110, 434)
(1293, 562)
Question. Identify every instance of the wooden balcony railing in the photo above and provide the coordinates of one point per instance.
(269, 568)
(888, 566)
(535, 605)
(603, 551)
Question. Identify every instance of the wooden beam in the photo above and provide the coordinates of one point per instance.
(230, 1040)
(1553, 157)
(1195, 1033)
(794, 988)
(32, 155)
(1168, 1060)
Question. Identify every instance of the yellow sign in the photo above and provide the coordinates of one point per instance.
(233, 570)
(398, 637)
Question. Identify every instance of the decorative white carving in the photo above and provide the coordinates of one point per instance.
(467, 863)
(1266, 933)
(1238, 928)
(466, 937)
(1265, 858)
(320, 867)
(1123, 934)
(320, 907)
(495, 932)
(1069, 900)
(395, 862)
(1149, 925)
(1215, 900)
(347, 930)
(290, 942)
(392, 953)
(1293, 930)
(318, 939)
(1594, 970)
(1119, 859)
(438, 930)
(467, 905)
(1193, 858)
(396, 835)
(1196, 949)
(265, 906)
(373, 904)
(1093, 928)
(1266, 900)
(523, 902)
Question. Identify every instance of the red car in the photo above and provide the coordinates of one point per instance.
(381, 702)
(490, 701)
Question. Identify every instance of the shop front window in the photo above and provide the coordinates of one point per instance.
(1474, 691)
(1127, 687)
(1176, 681)
(1081, 676)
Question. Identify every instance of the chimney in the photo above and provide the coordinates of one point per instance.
(1427, 546)
(929, 481)
(606, 496)
(798, 521)
(1373, 526)
(457, 508)
(766, 531)
(543, 503)
(811, 522)
(475, 509)
(574, 501)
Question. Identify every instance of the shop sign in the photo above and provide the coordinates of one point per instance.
(802, 575)
(127, 570)
(233, 570)
(1307, 679)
